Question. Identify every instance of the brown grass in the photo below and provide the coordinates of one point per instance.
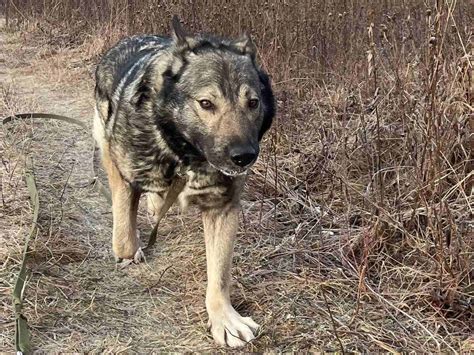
(358, 218)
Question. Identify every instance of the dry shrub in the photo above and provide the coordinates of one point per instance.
(369, 162)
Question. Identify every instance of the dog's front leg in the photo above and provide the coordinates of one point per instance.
(125, 199)
(227, 326)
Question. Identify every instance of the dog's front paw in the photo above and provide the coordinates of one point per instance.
(229, 328)
(138, 257)
(128, 253)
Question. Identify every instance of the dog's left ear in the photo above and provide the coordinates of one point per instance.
(245, 45)
(268, 101)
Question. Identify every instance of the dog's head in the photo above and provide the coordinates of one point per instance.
(221, 101)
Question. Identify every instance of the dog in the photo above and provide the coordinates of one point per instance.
(190, 107)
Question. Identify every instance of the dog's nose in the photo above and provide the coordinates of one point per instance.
(243, 156)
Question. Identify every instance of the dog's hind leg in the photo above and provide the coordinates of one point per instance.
(155, 202)
(125, 198)
(227, 326)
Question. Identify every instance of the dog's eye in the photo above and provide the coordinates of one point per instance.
(253, 103)
(206, 104)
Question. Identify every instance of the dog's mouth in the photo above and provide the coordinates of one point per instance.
(230, 172)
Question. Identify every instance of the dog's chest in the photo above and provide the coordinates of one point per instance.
(206, 188)
(149, 176)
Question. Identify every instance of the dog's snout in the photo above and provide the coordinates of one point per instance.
(243, 156)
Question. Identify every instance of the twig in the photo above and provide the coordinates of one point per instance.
(332, 320)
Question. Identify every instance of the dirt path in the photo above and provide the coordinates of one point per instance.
(76, 299)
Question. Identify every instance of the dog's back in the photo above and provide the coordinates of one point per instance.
(120, 65)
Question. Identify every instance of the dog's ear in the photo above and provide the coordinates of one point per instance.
(244, 44)
(177, 32)
(183, 40)
(268, 102)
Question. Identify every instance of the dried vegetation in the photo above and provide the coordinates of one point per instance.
(357, 232)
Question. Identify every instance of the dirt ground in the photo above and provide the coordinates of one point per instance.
(78, 301)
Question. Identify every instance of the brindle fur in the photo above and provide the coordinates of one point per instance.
(152, 130)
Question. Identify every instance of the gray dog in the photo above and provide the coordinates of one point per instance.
(192, 108)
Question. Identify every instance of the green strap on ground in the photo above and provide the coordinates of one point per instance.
(22, 337)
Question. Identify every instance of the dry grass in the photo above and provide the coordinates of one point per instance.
(358, 222)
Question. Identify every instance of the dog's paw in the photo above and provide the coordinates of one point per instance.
(137, 258)
(130, 255)
(229, 328)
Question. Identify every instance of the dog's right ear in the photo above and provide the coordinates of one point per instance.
(245, 45)
(183, 41)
